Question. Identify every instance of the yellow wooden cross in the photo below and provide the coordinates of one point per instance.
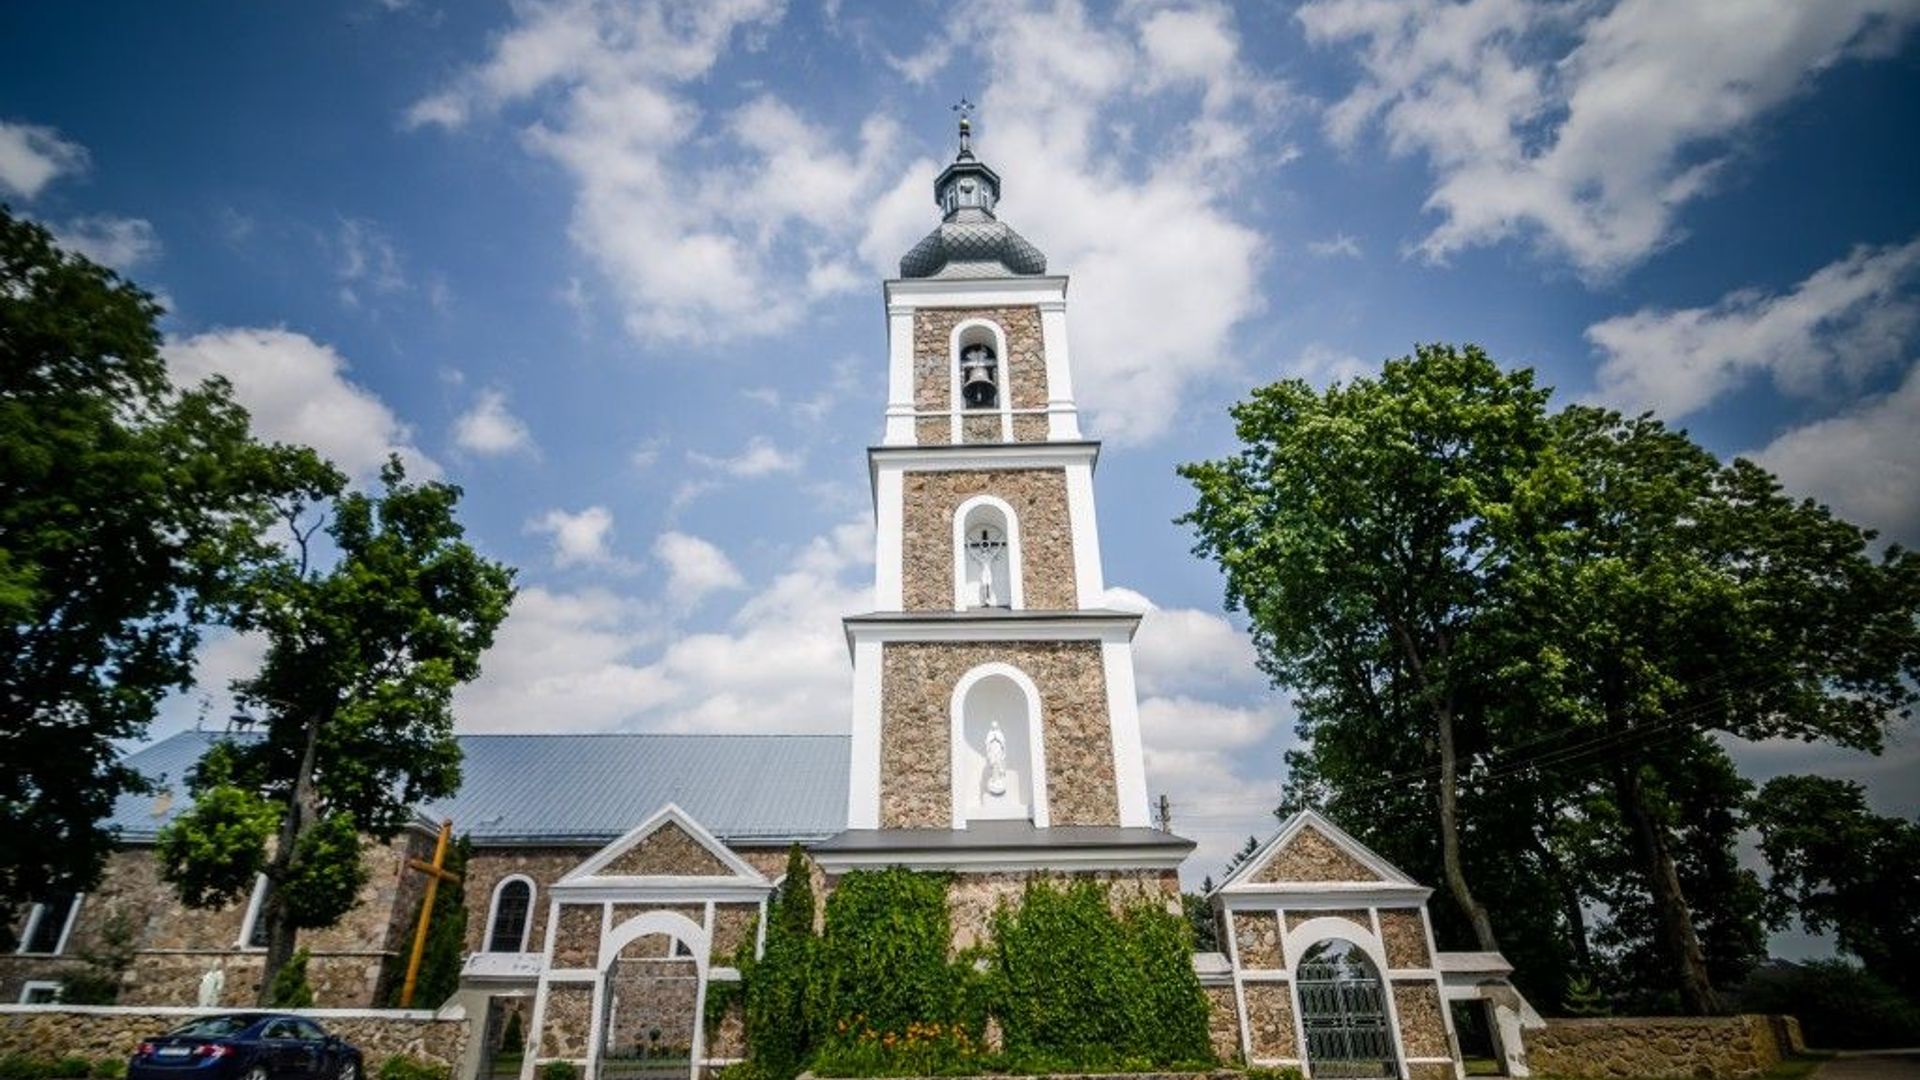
(436, 873)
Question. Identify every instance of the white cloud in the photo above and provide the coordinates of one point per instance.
(647, 454)
(1842, 323)
(115, 242)
(1185, 650)
(1864, 463)
(1592, 148)
(31, 157)
(695, 568)
(297, 390)
(565, 662)
(490, 428)
(1339, 245)
(1322, 364)
(760, 457)
(579, 539)
(368, 261)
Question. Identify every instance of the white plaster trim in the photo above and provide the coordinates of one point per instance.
(1068, 626)
(900, 427)
(863, 773)
(1017, 601)
(1326, 894)
(668, 813)
(658, 890)
(27, 988)
(1123, 719)
(254, 903)
(975, 456)
(1241, 880)
(889, 541)
(1063, 417)
(992, 861)
(1036, 743)
(911, 294)
(1088, 578)
(493, 912)
(1313, 931)
(678, 927)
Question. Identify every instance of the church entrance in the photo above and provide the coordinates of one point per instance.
(652, 996)
(1343, 1013)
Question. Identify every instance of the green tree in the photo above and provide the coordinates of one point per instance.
(128, 508)
(1837, 867)
(355, 693)
(779, 996)
(1353, 527)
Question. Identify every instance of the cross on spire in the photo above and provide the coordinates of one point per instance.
(965, 109)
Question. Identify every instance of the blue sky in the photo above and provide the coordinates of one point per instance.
(614, 267)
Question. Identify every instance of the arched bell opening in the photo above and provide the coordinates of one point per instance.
(653, 994)
(1342, 1005)
(998, 762)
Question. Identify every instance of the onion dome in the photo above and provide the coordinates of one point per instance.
(970, 242)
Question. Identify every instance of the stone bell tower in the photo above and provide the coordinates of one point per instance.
(995, 722)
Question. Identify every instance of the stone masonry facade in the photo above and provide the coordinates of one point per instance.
(916, 690)
(175, 946)
(108, 1031)
(1310, 856)
(973, 898)
(1039, 501)
(669, 849)
(933, 373)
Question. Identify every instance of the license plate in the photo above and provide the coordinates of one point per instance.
(172, 1051)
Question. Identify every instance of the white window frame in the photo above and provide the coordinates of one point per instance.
(27, 989)
(1017, 598)
(254, 903)
(39, 912)
(493, 911)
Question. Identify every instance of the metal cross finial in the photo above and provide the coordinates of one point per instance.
(965, 109)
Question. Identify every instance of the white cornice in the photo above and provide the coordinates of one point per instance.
(1323, 895)
(911, 293)
(884, 627)
(648, 890)
(1006, 861)
(950, 458)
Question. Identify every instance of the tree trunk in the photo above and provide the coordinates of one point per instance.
(1570, 909)
(1671, 913)
(1456, 873)
(302, 809)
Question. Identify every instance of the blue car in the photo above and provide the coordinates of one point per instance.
(246, 1046)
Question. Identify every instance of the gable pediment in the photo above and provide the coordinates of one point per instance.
(668, 845)
(1308, 852)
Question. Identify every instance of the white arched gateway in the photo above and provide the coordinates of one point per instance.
(635, 935)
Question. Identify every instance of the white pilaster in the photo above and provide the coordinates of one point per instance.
(889, 513)
(1123, 713)
(900, 431)
(1090, 581)
(863, 777)
(1063, 417)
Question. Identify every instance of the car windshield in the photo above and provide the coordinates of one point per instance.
(214, 1027)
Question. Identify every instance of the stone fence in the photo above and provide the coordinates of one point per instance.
(1710, 1047)
(115, 1030)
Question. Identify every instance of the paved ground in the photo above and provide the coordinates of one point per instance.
(1875, 1065)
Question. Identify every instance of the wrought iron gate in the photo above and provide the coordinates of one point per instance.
(1343, 1010)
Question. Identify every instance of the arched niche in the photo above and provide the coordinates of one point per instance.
(653, 976)
(979, 524)
(999, 756)
(1345, 1011)
(979, 332)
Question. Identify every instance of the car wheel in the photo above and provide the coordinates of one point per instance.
(349, 1070)
(257, 1072)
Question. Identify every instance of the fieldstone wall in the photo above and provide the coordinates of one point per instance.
(973, 898)
(734, 925)
(1223, 1023)
(113, 1031)
(1709, 1047)
(1310, 856)
(650, 996)
(1270, 1019)
(916, 690)
(1039, 501)
(932, 364)
(657, 945)
(1404, 934)
(1256, 938)
(669, 849)
(1423, 1029)
(576, 942)
(174, 946)
(545, 865)
(727, 1040)
(1354, 915)
(567, 1027)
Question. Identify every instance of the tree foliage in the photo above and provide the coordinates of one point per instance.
(130, 508)
(1513, 632)
(1839, 868)
(355, 695)
(780, 1003)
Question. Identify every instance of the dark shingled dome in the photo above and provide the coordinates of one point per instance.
(972, 243)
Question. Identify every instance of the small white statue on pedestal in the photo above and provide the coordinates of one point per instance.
(996, 760)
(212, 985)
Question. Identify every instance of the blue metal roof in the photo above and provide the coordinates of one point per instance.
(578, 788)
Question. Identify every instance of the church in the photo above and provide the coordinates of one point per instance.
(994, 735)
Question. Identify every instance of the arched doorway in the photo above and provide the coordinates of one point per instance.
(1343, 1012)
(653, 995)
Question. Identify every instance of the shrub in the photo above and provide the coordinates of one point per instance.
(1840, 1006)
(884, 967)
(70, 1067)
(777, 991)
(290, 989)
(1074, 982)
(109, 1069)
(513, 1040)
(1285, 1072)
(559, 1070)
(402, 1067)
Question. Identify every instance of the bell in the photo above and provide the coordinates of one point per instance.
(976, 377)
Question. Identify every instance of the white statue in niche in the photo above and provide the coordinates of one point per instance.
(212, 985)
(996, 760)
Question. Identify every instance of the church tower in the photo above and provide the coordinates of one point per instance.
(995, 721)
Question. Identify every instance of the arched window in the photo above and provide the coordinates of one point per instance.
(979, 367)
(986, 556)
(512, 906)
